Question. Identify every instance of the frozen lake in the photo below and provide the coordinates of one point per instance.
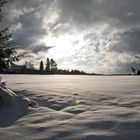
(76, 107)
(100, 84)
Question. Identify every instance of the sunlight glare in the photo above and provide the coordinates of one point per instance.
(63, 45)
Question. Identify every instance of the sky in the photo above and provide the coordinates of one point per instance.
(100, 36)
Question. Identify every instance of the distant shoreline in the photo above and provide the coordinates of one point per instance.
(70, 74)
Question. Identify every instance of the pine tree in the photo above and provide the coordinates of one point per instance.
(7, 53)
(138, 72)
(47, 64)
(41, 66)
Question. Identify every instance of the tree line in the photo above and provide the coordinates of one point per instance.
(49, 67)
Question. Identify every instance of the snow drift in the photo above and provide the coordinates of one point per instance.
(12, 106)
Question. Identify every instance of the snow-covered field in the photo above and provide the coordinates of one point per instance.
(71, 108)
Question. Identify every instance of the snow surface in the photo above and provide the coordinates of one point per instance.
(70, 107)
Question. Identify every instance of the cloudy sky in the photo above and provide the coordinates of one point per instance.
(101, 36)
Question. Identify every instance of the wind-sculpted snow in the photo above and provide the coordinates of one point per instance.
(71, 108)
(12, 106)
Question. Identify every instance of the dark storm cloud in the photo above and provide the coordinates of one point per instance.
(26, 21)
(84, 13)
(127, 42)
(121, 12)
(78, 12)
(40, 48)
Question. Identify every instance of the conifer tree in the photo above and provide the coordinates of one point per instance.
(47, 64)
(8, 54)
(41, 66)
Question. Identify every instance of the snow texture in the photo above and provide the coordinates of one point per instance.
(70, 108)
